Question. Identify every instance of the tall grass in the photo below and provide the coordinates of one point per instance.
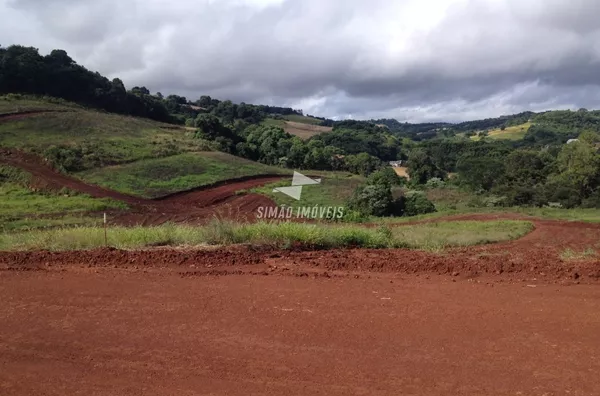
(284, 235)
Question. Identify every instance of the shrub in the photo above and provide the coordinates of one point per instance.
(416, 203)
(372, 200)
(65, 159)
(435, 182)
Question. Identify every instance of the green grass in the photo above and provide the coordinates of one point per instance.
(584, 215)
(14, 103)
(113, 139)
(334, 190)
(516, 132)
(158, 177)
(438, 236)
(23, 208)
(428, 237)
(273, 122)
(302, 119)
(20, 201)
(43, 222)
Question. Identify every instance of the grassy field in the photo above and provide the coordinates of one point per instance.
(158, 177)
(304, 130)
(516, 132)
(113, 139)
(432, 237)
(23, 208)
(583, 215)
(334, 190)
(302, 119)
(17, 103)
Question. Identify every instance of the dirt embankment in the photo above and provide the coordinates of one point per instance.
(537, 256)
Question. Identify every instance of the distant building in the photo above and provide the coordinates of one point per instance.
(396, 164)
(572, 140)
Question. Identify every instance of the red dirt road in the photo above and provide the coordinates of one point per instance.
(117, 332)
(194, 206)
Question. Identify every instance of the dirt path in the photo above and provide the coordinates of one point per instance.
(194, 206)
(114, 332)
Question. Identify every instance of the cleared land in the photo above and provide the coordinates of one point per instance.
(304, 131)
(402, 171)
(497, 319)
(164, 176)
(516, 132)
(303, 127)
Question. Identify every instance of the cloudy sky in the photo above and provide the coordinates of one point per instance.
(414, 60)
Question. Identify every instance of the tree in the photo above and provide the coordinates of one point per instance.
(479, 173)
(372, 200)
(421, 167)
(579, 167)
(386, 176)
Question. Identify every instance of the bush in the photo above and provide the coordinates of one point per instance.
(386, 176)
(593, 201)
(435, 182)
(65, 159)
(372, 200)
(416, 203)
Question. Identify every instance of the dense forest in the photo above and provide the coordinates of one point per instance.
(24, 70)
(539, 169)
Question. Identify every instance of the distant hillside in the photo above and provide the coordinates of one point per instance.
(131, 155)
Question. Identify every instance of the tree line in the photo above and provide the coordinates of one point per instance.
(24, 71)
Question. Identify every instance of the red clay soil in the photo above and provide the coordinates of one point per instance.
(537, 256)
(503, 319)
(121, 331)
(194, 206)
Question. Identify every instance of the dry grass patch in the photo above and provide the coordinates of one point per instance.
(574, 255)
(304, 131)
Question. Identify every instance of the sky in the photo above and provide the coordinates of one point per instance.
(413, 60)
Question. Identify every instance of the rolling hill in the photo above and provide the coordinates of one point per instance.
(132, 155)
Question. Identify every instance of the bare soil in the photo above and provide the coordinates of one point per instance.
(151, 331)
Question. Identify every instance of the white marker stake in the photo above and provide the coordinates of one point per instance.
(105, 237)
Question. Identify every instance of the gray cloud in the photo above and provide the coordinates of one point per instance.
(413, 60)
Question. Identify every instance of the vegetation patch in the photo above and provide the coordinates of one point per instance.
(334, 190)
(573, 255)
(429, 237)
(22, 208)
(90, 139)
(515, 132)
(153, 178)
